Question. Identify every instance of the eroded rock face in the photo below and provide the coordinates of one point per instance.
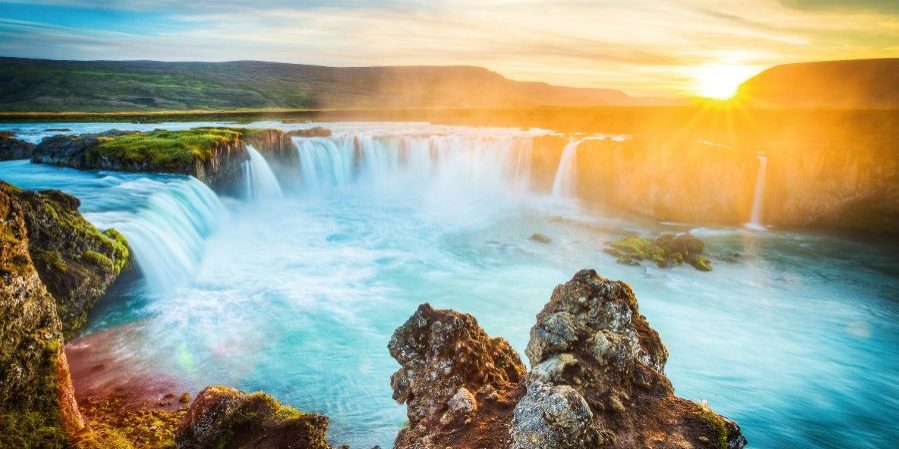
(222, 172)
(37, 406)
(225, 418)
(75, 261)
(12, 148)
(591, 347)
(459, 384)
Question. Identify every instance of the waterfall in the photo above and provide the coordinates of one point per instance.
(421, 162)
(166, 233)
(260, 179)
(755, 221)
(565, 182)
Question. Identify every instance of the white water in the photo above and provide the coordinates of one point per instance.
(298, 296)
(565, 182)
(755, 221)
(260, 179)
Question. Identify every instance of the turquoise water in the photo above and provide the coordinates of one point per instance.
(793, 334)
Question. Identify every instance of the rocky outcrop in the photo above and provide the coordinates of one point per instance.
(459, 385)
(217, 163)
(12, 148)
(75, 261)
(597, 380)
(37, 405)
(225, 418)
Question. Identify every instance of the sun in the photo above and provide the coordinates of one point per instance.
(720, 82)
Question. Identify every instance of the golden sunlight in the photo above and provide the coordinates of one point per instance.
(720, 82)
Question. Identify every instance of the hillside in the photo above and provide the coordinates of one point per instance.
(28, 85)
(854, 84)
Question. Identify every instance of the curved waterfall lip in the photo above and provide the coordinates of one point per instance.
(755, 222)
(261, 182)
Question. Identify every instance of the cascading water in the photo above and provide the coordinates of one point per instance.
(755, 221)
(565, 182)
(166, 235)
(491, 164)
(261, 182)
(300, 297)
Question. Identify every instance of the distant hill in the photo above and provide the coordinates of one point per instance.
(854, 84)
(99, 86)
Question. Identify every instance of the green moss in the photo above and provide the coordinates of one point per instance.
(664, 251)
(165, 148)
(54, 259)
(31, 430)
(99, 260)
(717, 424)
(117, 246)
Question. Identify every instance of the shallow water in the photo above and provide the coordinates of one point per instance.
(794, 335)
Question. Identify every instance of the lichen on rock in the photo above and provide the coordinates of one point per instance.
(225, 418)
(75, 261)
(37, 407)
(591, 344)
(456, 381)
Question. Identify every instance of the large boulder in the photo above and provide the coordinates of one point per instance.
(75, 261)
(37, 404)
(225, 418)
(458, 383)
(12, 148)
(592, 347)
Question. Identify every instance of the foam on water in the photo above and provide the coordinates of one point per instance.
(793, 334)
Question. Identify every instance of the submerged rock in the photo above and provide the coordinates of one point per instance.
(37, 402)
(12, 148)
(665, 251)
(225, 418)
(540, 238)
(75, 261)
(458, 383)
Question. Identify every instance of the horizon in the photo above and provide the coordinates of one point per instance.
(651, 49)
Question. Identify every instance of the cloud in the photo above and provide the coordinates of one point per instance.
(648, 47)
(882, 6)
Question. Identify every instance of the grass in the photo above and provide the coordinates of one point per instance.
(165, 148)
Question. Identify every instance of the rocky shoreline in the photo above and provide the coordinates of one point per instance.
(596, 375)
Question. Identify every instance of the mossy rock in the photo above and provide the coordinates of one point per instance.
(163, 148)
(76, 261)
(665, 251)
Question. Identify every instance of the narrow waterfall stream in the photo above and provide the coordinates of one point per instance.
(565, 181)
(296, 287)
(260, 179)
(755, 221)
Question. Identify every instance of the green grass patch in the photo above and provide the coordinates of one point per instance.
(165, 148)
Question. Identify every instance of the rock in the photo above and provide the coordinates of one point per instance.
(75, 261)
(540, 238)
(12, 148)
(462, 402)
(37, 405)
(444, 356)
(552, 417)
(316, 131)
(591, 344)
(665, 251)
(214, 156)
(225, 418)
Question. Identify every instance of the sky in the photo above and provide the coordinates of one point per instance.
(644, 47)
